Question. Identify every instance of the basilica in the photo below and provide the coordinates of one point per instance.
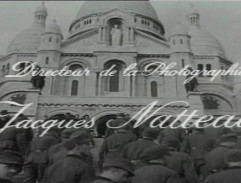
(117, 34)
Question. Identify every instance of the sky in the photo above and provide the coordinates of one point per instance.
(222, 19)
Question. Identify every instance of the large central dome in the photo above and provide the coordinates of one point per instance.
(136, 7)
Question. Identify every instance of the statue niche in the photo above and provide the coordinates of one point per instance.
(115, 32)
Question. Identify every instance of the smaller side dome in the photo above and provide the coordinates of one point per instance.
(179, 30)
(192, 10)
(41, 8)
(53, 28)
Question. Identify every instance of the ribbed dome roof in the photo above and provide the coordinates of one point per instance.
(28, 40)
(53, 28)
(41, 8)
(136, 7)
(203, 43)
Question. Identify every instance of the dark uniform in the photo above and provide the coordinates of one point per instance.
(12, 164)
(169, 133)
(53, 150)
(155, 173)
(198, 145)
(15, 139)
(183, 165)
(5, 118)
(71, 169)
(112, 145)
(36, 160)
(232, 175)
(216, 133)
(136, 149)
(215, 161)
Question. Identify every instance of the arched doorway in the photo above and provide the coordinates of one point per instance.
(114, 83)
(101, 127)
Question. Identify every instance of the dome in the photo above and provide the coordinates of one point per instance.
(53, 28)
(136, 7)
(41, 8)
(192, 10)
(179, 30)
(28, 40)
(203, 43)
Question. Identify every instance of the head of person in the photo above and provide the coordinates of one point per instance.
(150, 133)
(78, 143)
(119, 124)
(233, 158)
(76, 116)
(156, 154)
(172, 143)
(10, 164)
(228, 140)
(86, 117)
(66, 133)
(117, 169)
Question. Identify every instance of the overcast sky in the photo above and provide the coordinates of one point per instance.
(222, 19)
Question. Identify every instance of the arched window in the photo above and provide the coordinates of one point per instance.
(114, 83)
(114, 80)
(200, 68)
(50, 39)
(153, 89)
(47, 60)
(21, 67)
(173, 42)
(208, 67)
(183, 63)
(75, 67)
(74, 88)
(181, 41)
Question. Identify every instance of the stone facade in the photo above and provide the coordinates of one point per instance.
(92, 44)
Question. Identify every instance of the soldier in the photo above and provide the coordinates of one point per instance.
(115, 171)
(36, 160)
(153, 170)
(180, 162)
(16, 139)
(73, 168)
(4, 118)
(10, 165)
(198, 145)
(216, 133)
(114, 143)
(215, 161)
(60, 150)
(169, 133)
(233, 173)
(133, 151)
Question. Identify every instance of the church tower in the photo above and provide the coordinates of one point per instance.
(181, 53)
(40, 14)
(49, 52)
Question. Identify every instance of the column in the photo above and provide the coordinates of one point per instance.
(133, 86)
(99, 85)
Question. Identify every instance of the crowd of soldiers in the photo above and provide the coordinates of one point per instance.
(126, 155)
